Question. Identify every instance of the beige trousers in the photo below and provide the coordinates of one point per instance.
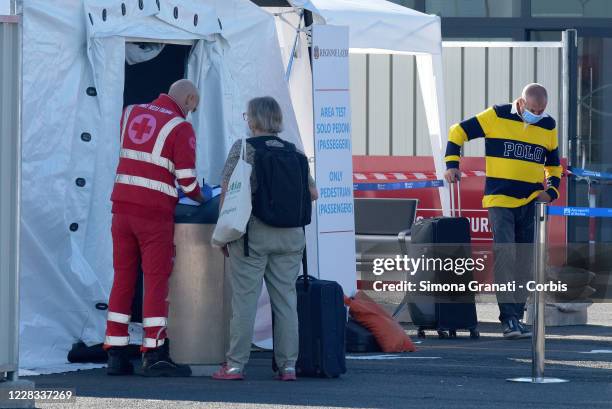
(275, 255)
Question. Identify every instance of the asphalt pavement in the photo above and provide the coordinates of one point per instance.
(459, 373)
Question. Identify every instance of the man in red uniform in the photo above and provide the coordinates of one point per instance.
(157, 150)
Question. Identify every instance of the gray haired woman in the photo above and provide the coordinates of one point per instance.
(273, 254)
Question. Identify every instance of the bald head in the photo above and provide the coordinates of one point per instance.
(534, 98)
(535, 91)
(186, 94)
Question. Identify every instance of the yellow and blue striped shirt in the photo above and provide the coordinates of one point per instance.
(518, 155)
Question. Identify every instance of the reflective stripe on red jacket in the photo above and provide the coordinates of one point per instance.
(157, 150)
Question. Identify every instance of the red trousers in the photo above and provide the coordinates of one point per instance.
(139, 241)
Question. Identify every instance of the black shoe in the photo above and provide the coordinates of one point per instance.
(525, 332)
(119, 362)
(157, 362)
(511, 329)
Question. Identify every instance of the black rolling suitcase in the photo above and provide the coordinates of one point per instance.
(322, 321)
(444, 312)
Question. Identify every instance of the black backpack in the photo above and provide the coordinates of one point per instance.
(282, 198)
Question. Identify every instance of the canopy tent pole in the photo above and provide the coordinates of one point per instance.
(430, 70)
(298, 31)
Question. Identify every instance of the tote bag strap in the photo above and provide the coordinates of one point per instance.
(246, 233)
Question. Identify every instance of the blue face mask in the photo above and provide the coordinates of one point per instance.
(530, 117)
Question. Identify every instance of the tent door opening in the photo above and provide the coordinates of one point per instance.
(151, 68)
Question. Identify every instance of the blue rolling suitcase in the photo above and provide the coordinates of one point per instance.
(322, 319)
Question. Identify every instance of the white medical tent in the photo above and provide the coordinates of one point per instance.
(74, 87)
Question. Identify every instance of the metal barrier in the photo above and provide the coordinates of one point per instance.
(592, 178)
(10, 155)
(580, 173)
(539, 335)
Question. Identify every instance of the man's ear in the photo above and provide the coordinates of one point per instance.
(195, 101)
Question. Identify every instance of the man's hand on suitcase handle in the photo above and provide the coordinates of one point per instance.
(544, 197)
(452, 175)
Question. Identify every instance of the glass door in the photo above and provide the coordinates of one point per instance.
(594, 142)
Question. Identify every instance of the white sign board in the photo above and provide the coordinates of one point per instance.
(334, 211)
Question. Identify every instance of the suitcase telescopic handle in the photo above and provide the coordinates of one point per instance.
(455, 210)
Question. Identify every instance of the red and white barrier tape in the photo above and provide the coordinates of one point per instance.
(394, 176)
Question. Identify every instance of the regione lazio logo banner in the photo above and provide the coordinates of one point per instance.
(330, 52)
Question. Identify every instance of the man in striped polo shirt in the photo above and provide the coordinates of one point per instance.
(521, 150)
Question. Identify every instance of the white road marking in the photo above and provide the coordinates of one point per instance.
(389, 357)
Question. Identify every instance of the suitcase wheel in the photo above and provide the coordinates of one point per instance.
(452, 333)
(474, 334)
(421, 333)
(442, 335)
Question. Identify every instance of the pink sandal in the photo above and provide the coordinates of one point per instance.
(228, 373)
(286, 374)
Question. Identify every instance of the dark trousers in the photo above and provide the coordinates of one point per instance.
(513, 236)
